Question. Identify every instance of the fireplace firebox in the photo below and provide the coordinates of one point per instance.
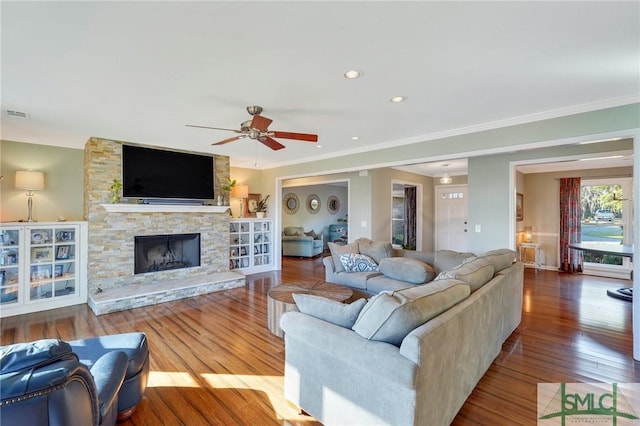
(154, 253)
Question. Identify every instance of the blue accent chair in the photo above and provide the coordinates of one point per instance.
(47, 377)
(44, 383)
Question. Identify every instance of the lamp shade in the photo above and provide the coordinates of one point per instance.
(528, 234)
(29, 180)
(240, 191)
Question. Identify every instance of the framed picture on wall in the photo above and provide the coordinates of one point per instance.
(519, 206)
(251, 205)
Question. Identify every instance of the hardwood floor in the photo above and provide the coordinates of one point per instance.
(214, 362)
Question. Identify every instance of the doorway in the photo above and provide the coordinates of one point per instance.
(451, 218)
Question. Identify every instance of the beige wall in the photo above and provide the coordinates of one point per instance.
(63, 175)
(381, 218)
(542, 206)
(320, 221)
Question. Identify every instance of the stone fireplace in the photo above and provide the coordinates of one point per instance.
(155, 253)
(113, 284)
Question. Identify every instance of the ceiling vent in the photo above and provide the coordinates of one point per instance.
(17, 114)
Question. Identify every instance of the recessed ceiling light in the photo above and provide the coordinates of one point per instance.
(351, 74)
(355, 138)
(397, 99)
(318, 146)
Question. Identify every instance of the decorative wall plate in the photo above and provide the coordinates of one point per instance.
(39, 237)
(290, 203)
(313, 203)
(333, 204)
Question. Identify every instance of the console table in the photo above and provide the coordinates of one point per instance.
(536, 252)
(624, 293)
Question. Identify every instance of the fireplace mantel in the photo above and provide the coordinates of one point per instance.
(163, 208)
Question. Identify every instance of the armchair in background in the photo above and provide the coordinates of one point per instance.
(296, 242)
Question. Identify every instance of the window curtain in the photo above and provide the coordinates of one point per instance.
(409, 218)
(570, 228)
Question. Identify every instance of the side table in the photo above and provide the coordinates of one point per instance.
(280, 299)
(536, 253)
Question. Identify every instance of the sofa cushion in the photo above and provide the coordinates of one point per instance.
(406, 269)
(475, 272)
(291, 231)
(500, 259)
(390, 316)
(337, 250)
(352, 262)
(377, 250)
(443, 260)
(338, 313)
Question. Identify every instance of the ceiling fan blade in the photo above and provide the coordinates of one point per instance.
(235, 138)
(261, 123)
(297, 136)
(214, 128)
(271, 143)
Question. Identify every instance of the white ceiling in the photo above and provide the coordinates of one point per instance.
(140, 71)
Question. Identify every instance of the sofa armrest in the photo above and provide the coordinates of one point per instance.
(108, 373)
(304, 332)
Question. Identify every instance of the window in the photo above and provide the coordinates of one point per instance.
(606, 220)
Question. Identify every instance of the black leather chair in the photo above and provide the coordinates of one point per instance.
(44, 383)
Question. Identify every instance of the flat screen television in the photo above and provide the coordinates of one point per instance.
(151, 173)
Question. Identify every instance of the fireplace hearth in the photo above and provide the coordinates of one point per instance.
(154, 253)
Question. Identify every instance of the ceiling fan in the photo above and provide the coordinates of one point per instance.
(257, 128)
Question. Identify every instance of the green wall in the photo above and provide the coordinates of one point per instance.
(63, 179)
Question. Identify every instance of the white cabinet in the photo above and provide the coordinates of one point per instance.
(42, 266)
(251, 245)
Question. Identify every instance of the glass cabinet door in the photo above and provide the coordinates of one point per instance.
(10, 240)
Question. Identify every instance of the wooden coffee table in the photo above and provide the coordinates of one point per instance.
(280, 299)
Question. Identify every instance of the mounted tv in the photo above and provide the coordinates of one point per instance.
(160, 174)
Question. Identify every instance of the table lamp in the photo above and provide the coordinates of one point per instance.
(528, 236)
(31, 181)
(242, 192)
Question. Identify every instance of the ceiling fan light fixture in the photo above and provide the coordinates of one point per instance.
(446, 179)
(398, 99)
(351, 74)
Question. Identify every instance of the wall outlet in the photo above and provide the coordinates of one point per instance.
(363, 224)
(478, 228)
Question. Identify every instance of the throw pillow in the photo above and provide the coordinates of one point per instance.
(475, 272)
(290, 231)
(299, 233)
(312, 234)
(358, 263)
(377, 250)
(406, 269)
(332, 311)
(337, 250)
(390, 316)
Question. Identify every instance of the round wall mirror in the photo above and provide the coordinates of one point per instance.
(313, 204)
(290, 203)
(333, 204)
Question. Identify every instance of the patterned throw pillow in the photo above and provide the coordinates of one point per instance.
(358, 263)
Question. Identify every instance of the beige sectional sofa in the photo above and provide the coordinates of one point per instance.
(410, 356)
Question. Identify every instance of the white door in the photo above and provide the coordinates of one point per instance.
(451, 218)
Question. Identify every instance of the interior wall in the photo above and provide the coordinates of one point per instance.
(63, 180)
(381, 196)
(318, 222)
(359, 198)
